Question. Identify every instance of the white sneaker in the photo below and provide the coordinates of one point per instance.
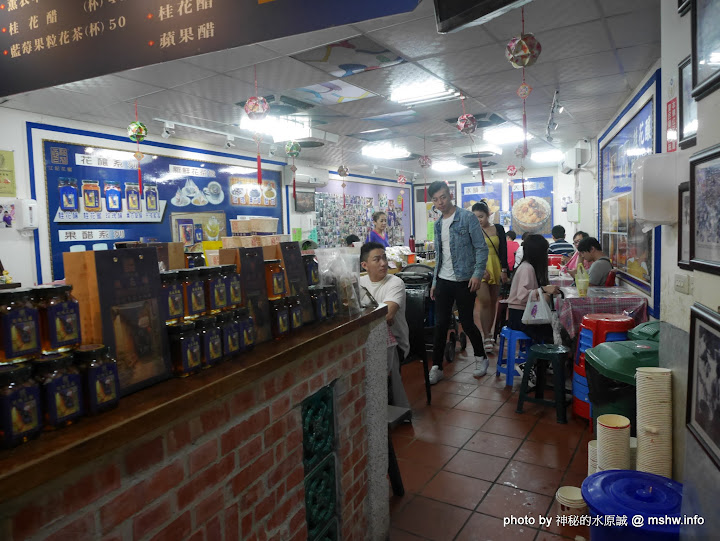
(435, 375)
(489, 344)
(481, 366)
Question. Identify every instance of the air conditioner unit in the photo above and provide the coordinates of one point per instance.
(307, 177)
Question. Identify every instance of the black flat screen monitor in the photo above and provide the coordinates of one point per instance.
(453, 15)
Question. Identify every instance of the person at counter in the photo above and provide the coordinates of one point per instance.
(559, 245)
(350, 239)
(591, 251)
(572, 262)
(379, 230)
(377, 286)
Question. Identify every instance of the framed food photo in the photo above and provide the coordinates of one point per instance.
(705, 210)
(705, 47)
(688, 106)
(703, 394)
(684, 226)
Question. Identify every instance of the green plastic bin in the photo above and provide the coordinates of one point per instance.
(646, 331)
(610, 369)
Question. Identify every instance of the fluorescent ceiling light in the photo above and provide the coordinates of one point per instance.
(385, 151)
(280, 129)
(448, 166)
(547, 156)
(505, 136)
(423, 93)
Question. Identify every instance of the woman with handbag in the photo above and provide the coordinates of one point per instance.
(496, 272)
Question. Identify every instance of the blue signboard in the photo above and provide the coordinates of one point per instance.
(533, 212)
(491, 192)
(95, 198)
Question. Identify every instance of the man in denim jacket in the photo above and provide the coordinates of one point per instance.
(461, 256)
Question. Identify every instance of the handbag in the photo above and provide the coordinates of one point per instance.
(537, 312)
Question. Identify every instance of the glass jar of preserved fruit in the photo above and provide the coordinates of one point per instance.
(295, 312)
(193, 289)
(132, 196)
(19, 327)
(172, 296)
(113, 196)
(20, 418)
(230, 331)
(59, 317)
(210, 340)
(91, 195)
(312, 270)
(60, 389)
(274, 279)
(151, 196)
(185, 350)
(234, 289)
(247, 328)
(100, 381)
(333, 304)
(319, 302)
(68, 194)
(215, 290)
(279, 318)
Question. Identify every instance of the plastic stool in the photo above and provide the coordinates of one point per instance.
(602, 324)
(506, 365)
(540, 355)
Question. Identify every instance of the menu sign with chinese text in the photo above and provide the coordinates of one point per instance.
(46, 43)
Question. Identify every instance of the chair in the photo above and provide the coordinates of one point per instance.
(610, 281)
(506, 365)
(415, 298)
(540, 356)
(395, 416)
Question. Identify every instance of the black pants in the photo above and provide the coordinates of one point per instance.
(541, 334)
(448, 293)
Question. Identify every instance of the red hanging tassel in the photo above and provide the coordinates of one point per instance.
(259, 167)
(425, 193)
(523, 186)
(482, 173)
(293, 168)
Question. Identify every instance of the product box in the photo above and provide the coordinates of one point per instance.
(171, 255)
(296, 282)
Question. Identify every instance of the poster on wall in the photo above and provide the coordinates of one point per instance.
(7, 174)
(534, 212)
(491, 192)
(94, 198)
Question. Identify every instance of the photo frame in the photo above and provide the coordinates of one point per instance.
(683, 7)
(703, 393)
(304, 201)
(684, 226)
(705, 210)
(688, 119)
(705, 44)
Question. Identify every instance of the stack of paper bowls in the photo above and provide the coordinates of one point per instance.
(571, 501)
(654, 420)
(633, 453)
(592, 457)
(613, 442)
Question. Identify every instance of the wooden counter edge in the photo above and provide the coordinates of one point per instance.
(58, 452)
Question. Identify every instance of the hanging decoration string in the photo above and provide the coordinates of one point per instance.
(138, 154)
(257, 137)
(525, 147)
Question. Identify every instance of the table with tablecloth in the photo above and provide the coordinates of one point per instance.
(599, 300)
(562, 281)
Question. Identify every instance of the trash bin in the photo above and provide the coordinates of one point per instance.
(610, 369)
(637, 496)
(646, 331)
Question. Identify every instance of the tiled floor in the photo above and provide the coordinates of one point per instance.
(468, 461)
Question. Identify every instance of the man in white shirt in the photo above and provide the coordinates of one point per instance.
(380, 287)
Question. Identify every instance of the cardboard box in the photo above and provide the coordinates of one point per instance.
(240, 242)
(170, 254)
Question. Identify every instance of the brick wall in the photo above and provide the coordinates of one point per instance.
(232, 471)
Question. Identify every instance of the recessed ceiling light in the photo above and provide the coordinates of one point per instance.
(385, 151)
(547, 156)
(423, 93)
(505, 135)
(448, 166)
(281, 129)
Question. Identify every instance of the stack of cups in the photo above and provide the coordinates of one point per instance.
(633, 453)
(613, 442)
(571, 501)
(654, 420)
(592, 457)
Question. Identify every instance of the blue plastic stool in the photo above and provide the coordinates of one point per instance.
(506, 365)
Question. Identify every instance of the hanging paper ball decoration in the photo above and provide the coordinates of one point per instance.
(292, 149)
(512, 170)
(137, 131)
(425, 162)
(524, 90)
(523, 51)
(257, 108)
(466, 124)
(402, 179)
(343, 171)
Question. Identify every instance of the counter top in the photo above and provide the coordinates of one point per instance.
(56, 453)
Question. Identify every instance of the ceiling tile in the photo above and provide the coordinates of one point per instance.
(425, 9)
(232, 59)
(222, 89)
(481, 86)
(168, 74)
(384, 81)
(593, 115)
(616, 7)
(576, 40)
(178, 102)
(595, 102)
(110, 88)
(367, 107)
(123, 112)
(635, 28)
(577, 68)
(281, 74)
(302, 42)
(639, 58)
(468, 63)
(57, 102)
(598, 85)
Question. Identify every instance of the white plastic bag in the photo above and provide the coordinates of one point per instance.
(537, 312)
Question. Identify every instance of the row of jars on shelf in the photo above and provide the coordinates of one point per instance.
(189, 294)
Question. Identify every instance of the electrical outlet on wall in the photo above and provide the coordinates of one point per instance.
(682, 284)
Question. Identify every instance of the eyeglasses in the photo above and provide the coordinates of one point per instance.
(373, 302)
(576, 242)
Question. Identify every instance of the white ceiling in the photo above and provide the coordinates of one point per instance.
(595, 52)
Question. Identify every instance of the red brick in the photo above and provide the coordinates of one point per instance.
(295, 478)
(252, 495)
(357, 377)
(280, 450)
(113, 537)
(360, 467)
(249, 474)
(348, 363)
(300, 535)
(299, 393)
(315, 384)
(232, 525)
(91, 488)
(348, 398)
(82, 528)
(294, 438)
(298, 519)
(177, 529)
(198, 536)
(241, 402)
(246, 525)
(264, 507)
(283, 511)
(346, 482)
(196, 429)
(214, 417)
(294, 420)
(250, 451)
(202, 456)
(209, 507)
(144, 456)
(306, 368)
(275, 432)
(332, 373)
(359, 405)
(151, 519)
(163, 481)
(178, 438)
(280, 407)
(122, 507)
(358, 438)
(360, 496)
(213, 530)
(240, 433)
(204, 480)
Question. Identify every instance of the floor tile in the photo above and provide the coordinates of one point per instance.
(456, 489)
(557, 434)
(477, 465)
(399, 535)
(400, 441)
(541, 454)
(432, 520)
(465, 419)
(580, 460)
(504, 501)
(426, 454)
(566, 530)
(573, 479)
(398, 503)
(531, 477)
(513, 428)
(445, 435)
(478, 405)
(440, 400)
(465, 377)
(490, 393)
(455, 387)
(493, 444)
(530, 411)
(486, 528)
(415, 476)
(429, 412)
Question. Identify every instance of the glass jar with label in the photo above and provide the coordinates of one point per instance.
(312, 270)
(171, 297)
(193, 288)
(132, 196)
(99, 373)
(113, 196)
(274, 279)
(20, 418)
(91, 195)
(60, 389)
(279, 318)
(185, 350)
(333, 304)
(59, 315)
(234, 289)
(211, 351)
(215, 290)
(19, 327)
(319, 302)
(294, 312)
(151, 196)
(247, 328)
(68, 194)
(230, 331)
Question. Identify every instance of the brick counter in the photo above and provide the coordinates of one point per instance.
(219, 459)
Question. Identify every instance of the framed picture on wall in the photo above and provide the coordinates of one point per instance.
(703, 394)
(705, 47)
(688, 106)
(305, 202)
(684, 226)
(705, 210)
(683, 7)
